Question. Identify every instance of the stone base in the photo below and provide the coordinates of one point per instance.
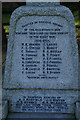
(78, 110)
(40, 115)
(4, 109)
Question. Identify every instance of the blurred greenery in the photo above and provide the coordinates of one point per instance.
(6, 18)
(77, 18)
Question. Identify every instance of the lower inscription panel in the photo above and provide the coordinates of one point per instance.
(41, 101)
(41, 104)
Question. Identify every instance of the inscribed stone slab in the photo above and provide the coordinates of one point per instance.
(42, 49)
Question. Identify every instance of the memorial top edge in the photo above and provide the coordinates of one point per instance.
(41, 11)
(28, 10)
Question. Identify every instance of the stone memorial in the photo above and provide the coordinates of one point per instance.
(41, 74)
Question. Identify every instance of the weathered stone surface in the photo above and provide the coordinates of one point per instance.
(0, 103)
(42, 49)
(44, 4)
(41, 115)
(4, 109)
(41, 73)
(41, 101)
(0, 109)
(78, 110)
(79, 75)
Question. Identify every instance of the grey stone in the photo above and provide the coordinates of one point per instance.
(41, 72)
(41, 115)
(48, 101)
(79, 76)
(79, 95)
(4, 109)
(78, 110)
(44, 4)
(29, 21)
(0, 109)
